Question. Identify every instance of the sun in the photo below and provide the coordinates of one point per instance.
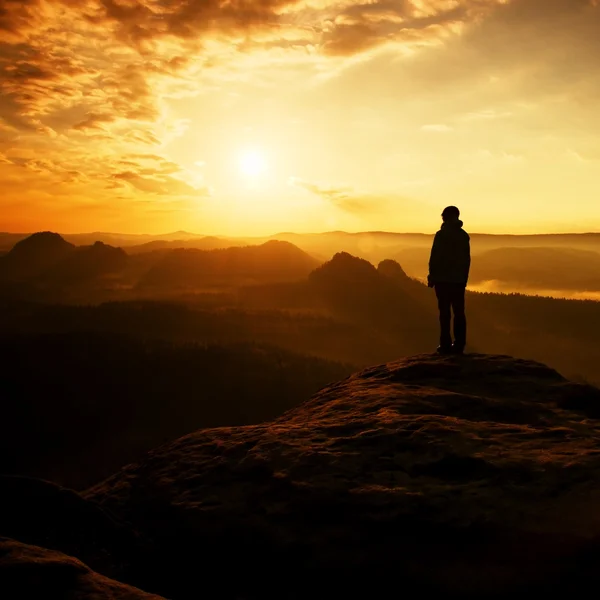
(252, 163)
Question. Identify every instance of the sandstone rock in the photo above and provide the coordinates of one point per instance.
(41, 513)
(472, 476)
(30, 572)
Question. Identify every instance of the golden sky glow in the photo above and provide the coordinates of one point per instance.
(252, 117)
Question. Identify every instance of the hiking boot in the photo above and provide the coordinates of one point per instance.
(444, 350)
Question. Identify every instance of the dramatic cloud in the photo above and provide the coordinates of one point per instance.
(344, 198)
(110, 59)
(88, 88)
(156, 175)
(158, 184)
(91, 66)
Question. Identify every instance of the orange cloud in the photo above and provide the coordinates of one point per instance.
(345, 197)
(70, 64)
(87, 86)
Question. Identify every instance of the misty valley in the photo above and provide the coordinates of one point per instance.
(115, 350)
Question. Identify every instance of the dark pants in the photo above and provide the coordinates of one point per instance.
(451, 296)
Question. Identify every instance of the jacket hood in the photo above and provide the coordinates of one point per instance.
(457, 223)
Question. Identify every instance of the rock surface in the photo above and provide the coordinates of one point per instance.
(472, 476)
(41, 513)
(30, 572)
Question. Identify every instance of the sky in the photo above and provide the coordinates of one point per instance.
(249, 117)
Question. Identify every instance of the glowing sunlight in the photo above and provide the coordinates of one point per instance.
(252, 163)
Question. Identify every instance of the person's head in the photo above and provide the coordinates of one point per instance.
(450, 213)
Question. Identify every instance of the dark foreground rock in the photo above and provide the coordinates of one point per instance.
(30, 572)
(476, 476)
(41, 513)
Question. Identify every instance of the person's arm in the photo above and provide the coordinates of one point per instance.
(434, 260)
(468, 258)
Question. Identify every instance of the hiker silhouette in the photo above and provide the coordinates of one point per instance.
(449, 266)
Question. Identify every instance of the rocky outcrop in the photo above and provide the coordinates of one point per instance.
(392, 269)
(41, 513)
(88, 262)
(45, 258)
(398, 310)
(33, 255)
(467, 476)
(28, 572)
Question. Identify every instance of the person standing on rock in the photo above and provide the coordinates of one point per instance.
(449, 266)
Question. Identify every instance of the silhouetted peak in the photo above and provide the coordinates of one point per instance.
(35, 254)
(102, 249)
(281, 246)
(348, 267)
(43, 241)
(89, 261)
(391, 269)
(287, 252)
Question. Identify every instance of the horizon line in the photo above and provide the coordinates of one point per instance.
(283, 233)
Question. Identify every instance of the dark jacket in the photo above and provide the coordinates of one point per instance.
(450, 255)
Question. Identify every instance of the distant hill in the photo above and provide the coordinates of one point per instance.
(541, 268)
(8, 240)
(348, 310)
(344, 267)
(47, 259)
(126, 239)
(192, 268)
(414, 260)
(384, 298)
(530, 269)
(34, 255)
(359, 276)
(561, 265)
(202, 243)
(372, 245)
(88, 262)
(378, 245)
